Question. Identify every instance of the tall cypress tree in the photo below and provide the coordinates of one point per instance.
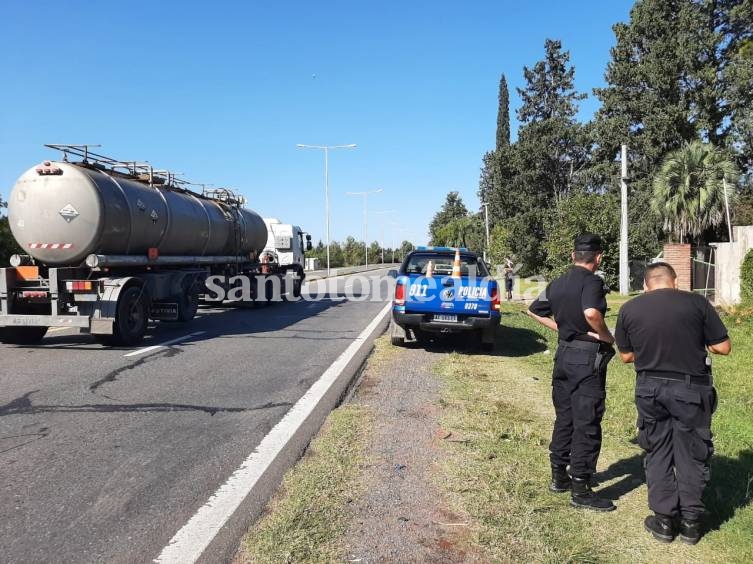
(503, 115)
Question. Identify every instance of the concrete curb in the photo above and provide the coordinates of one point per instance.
(226, 535)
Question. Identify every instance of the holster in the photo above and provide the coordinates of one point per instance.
(603, 356)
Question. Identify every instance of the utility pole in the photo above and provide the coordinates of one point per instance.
(624, 268)
(726, 206)
(486, 218)
(326, 149)
(365, 195)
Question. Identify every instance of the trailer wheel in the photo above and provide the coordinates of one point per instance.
(188, 304)
(131, 318)
(22, 335)
(397, 334)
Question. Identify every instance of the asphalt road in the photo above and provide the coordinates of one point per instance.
(103, 456)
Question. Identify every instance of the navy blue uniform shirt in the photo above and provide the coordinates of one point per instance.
(567, 297)
(668, 331)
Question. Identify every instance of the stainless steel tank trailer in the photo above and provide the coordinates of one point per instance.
(112, 244)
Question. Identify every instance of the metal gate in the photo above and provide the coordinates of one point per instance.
(703, 271)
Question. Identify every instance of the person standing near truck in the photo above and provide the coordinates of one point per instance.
(574, 305)
(509, 277)
(668, 334)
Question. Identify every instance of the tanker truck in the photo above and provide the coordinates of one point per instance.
(111, 244)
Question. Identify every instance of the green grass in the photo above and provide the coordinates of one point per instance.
(502, 406)
(306, 519)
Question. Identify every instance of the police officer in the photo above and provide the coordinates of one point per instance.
(574, 305)
(667, 333)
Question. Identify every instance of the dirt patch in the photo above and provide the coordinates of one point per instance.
(403, 516)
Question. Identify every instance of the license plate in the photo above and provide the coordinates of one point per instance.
(446, 318)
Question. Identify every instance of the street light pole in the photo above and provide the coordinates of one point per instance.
(486, 216)
(326, 149)
(365, 195)
(380, 212)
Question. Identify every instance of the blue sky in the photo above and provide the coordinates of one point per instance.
(223, 92)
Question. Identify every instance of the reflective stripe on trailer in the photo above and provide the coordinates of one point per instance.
(50, 245)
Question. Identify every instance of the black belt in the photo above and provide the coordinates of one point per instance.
(585, 345)
(704, 380)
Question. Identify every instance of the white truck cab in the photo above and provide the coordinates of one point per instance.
(287, 241)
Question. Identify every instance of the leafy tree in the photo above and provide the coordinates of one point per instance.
(336, 255)
(746, 279)
(646, 103)
(550, 90)
(405, 248)
(579, 213)
(8, 245)
(500, 245)
(503, 115)
(739, 80)
(375, 252)
(689, 190)
(742, 213)
(465, 231)
(353, 252)
(453, 208)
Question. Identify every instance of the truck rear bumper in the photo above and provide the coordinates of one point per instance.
(17, 320)
(425, 322)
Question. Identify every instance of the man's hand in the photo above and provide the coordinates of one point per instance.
(545, 321)
(627, 357)
(596, 321)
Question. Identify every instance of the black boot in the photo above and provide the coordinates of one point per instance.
(661, 526)
(690, 531)
(560, 480)
(583, 496)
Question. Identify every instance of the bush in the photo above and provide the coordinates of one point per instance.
(746, 279)
(576, 214)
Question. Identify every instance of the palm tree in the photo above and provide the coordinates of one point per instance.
(689, 190)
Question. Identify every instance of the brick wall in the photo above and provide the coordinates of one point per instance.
(679, 256)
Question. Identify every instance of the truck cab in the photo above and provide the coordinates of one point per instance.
(288, 242)
(444, 290)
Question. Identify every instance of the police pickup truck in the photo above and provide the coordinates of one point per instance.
(444, 290)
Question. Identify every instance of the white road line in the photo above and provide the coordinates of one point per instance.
(165, 344)
(195, 536)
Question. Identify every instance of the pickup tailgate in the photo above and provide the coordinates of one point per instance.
(447, 298)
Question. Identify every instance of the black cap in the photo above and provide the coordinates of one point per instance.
(588, 242)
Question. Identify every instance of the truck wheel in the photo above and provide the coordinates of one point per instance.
(188, 305)
(297, 283)
(397, 334)
(22, 335)
(131, 317)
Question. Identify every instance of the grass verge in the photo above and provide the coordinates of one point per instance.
(306, 519)
(501, 405)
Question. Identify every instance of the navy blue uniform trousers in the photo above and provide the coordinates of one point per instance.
(578, 395)
(674, 428)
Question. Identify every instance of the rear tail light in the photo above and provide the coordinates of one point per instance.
(495, 298)
(80, 286)
(30, 294)
(400, 294)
